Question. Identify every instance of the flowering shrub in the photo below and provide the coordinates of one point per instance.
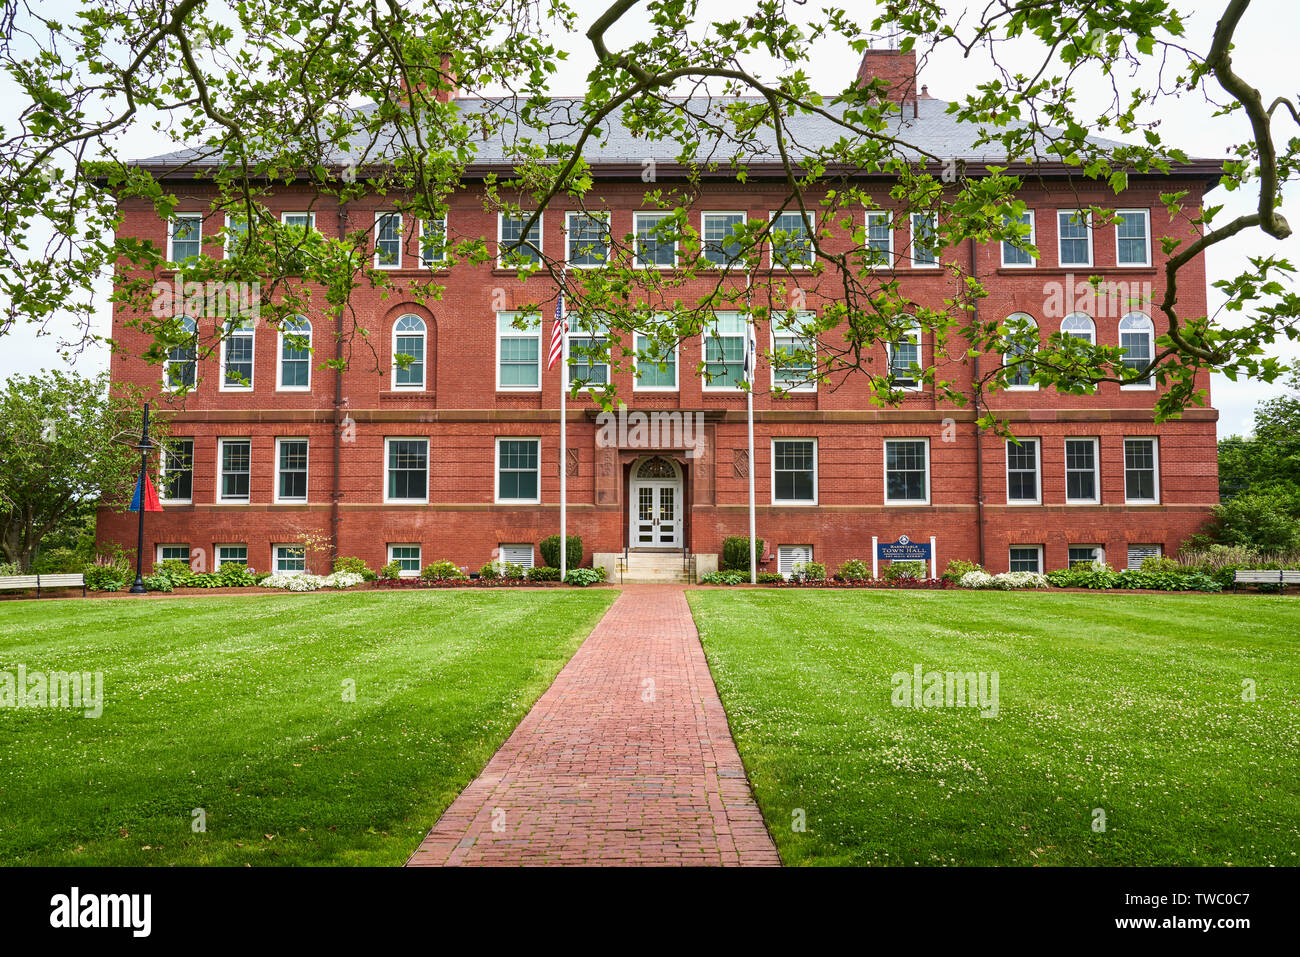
(855, 569)
(442, 571)
(342, 580)
(1004, 580)
(976, 580)
(293, 582)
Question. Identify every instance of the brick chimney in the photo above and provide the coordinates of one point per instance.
(442, 96)
(897, 69)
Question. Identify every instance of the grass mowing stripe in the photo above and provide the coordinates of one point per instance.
(1127, 705)
(235, 705)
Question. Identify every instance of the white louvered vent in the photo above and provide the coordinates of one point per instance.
(521, 555)
(789, 558)
(1136, 554)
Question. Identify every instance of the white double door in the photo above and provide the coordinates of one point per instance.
(656, 514)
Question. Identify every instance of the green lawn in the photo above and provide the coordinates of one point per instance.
(235, 705)
(1127, 703)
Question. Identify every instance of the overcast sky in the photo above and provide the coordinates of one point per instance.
(1265, 47)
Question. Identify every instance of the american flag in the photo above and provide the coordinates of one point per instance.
(751, 349)
(558, 332)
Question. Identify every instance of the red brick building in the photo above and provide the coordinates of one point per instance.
(457, 455)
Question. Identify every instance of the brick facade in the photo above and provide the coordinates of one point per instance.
(462, 414)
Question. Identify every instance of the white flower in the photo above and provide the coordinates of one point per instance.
(976, 580)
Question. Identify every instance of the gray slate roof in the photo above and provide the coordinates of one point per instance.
(923, 123)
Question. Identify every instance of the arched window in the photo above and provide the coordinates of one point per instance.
(905, 359)
(409, 337)
(1079, 325)
(1018, 324)
(1137, 339)
(295, 354)
(181, 368)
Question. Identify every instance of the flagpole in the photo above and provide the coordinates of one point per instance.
(145, 445)
(564, 442)
(751, 362)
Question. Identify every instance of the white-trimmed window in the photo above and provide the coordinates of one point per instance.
(237, 356)
(513, 247)
(303, 221)
(654, 250)
(724, 353)
(407, 557)
(1082, 486)
(792, 246)
(905, 360)
(794, 471)
(180, 370)
(406, 470)
(1014, 257)
(388, 240)
(587, 345)
(236, 233)
(1137, 338)
(519, 353)
(295, 355)
(1073, 237)
(230, 553)
(925, 240)
(1023, 485)
(1018, 376)
(518, 478)
(588, 239)
(410, 338)
(794, 352)
(1079, 325)
(1025, 558)
(880, 239)
(176, 471)
(717, 244)
(290, 559)
(521, 555)
(235, 457)
(1137, 554)
(1141, 471)
(174, 553)
(291, 470)
(1133, 237)
(656, 365)
(907, 471)
(791, 560)
(185, 237)
(1082, 555)
(433, 242)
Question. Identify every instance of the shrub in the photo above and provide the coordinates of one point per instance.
(729, 577)
(391, 571)
(812, 571)
(512, 572)
(1181, 580)
(913, 570)
(235, 575)
(582, 577)
(442, 571)
(175, 570)
(769, 578)
(106, 576)
(59, 561)
(957, 568)
(488, 571)
(735, 552)
(550, 549)
(854, 570)
(158, 582)
(342, 580)
(544, 573)
(1085, 576)
(9, 568)
(354, 566)
(975, 579)
(206, 580)
(293, 582)
(1162, 564)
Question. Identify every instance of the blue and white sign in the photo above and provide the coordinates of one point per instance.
(903, 550)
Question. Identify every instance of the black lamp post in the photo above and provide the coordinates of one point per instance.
(145, 446)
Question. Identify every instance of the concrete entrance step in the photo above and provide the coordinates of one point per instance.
(651, 567)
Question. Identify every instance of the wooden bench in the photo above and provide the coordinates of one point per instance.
(13, 582)
(1265, 576)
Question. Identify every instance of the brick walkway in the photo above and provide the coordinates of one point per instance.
(626, 759)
